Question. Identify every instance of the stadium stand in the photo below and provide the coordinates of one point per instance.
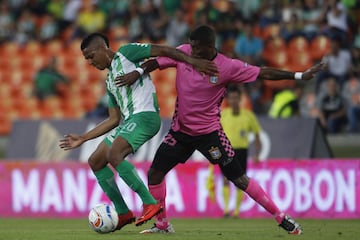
(22, 54)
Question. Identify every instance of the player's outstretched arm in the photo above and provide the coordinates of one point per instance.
(131, 77)
(71, 141)
(201, 65)
(277, 74)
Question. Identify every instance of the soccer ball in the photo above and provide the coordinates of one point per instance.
(103, 218)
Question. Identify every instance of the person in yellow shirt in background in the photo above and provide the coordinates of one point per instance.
(237, 123)
(286, 103)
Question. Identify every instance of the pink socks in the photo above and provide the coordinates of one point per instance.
(159, 193)
(255, 191)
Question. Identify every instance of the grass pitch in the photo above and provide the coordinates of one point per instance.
(186, 229)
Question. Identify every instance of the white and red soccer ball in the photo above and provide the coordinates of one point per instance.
(103, 218)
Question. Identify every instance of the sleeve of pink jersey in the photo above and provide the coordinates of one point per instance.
(165, 62)
(243, 72)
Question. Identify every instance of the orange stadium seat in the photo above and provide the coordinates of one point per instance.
(5, 89)
(18, 106)
(300, 61)
(117, 33)
(32, 48)
(3, 64)
(156, 75)
(53, 48)
(38, 61)
(5, 102)
(96, 76)
(72, 108)
(16, 91)
(319, 47)
(5, 124)
(73, 49)
(89, 103)
(9, 49)
(23, 77)
(169, 76)
(64, 61)
(222, 5)
(278, 59)
(14, 62)
(271, 31)
(298, 44)
(167, 104)
(50, 108)
(272, 46)
(29, 109)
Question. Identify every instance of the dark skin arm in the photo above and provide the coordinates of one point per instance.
(71, 141)
(201, 65)
(129, 78)
(268, 73)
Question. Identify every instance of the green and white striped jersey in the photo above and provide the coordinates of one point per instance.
(140, 96)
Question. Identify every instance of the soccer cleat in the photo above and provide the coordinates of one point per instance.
(155, 229)
(291, 226)
(149, 211)
(125, 219)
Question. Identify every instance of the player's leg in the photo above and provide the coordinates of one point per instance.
(242, 155)
(256, 192)
(169, 154)
(242, 158)
(226, 196)
(105, 177)
(129, 137)
(217, 148)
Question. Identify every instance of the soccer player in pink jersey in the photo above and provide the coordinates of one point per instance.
(196, 121)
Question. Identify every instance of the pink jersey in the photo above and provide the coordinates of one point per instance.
(197, 110)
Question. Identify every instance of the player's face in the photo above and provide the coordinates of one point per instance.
(96, 57)
(199, 50)
(233, 99)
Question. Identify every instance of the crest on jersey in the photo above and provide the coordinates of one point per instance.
(213, 79)
(215, 153)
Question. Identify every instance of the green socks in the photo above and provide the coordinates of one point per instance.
(107, 182)
(128, 173)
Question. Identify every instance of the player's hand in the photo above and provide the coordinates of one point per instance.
(127, 79)
(311, 72)
(71, 141)
(204, 66)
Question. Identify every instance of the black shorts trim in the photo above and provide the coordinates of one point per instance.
(177, 147)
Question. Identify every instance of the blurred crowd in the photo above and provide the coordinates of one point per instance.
(246, 29)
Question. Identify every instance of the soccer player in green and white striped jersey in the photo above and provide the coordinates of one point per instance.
(137, 107)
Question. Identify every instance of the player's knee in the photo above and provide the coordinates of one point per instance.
(95, 163)
(117, 153)
(241, 182)
(232, 170)
(114, 159)
(155, 177)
